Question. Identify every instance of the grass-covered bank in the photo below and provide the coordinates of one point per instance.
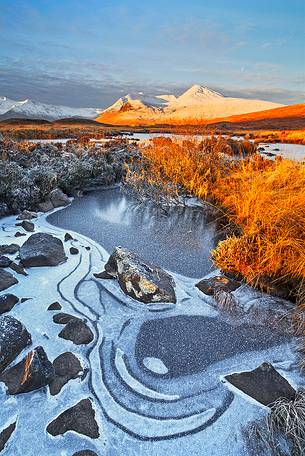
(264, 201)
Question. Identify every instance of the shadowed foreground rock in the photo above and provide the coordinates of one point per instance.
(42, 249)
(7, 302)
(14, 337)
(67, 367)
(6, 280)
(264, 384)
(141, 280)
(33, 372)
(85, 453)
(6, 434)
(79, 418)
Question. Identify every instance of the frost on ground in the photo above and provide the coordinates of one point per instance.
(152, 374)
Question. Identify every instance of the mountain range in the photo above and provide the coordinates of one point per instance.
(195, 104)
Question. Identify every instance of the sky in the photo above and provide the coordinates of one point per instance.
(87, 53)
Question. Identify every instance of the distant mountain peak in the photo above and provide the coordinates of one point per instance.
(197, 90)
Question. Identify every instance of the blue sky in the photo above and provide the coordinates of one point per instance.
(88, 52)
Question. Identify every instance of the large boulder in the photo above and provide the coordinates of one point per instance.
(14, 337)
(59, 198)
(33, 372)
(141, 280)
(45, 206)
(79, 418)
(67, 367)
(42, 249)
(264, 384)
(7, 302)
(6, 280)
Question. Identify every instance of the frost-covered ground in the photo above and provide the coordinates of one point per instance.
(154, 372)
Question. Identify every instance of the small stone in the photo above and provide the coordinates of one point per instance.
(63, 318)
(4, 261)
(67, 367)
(9, 249)
(209, 286)
(6, 280)
(18, 268)
(7, 302)
(6, 434)
(54, 306)
(27, 225)
(88, 248)
(33, 372)
(18, 234)
(103, 275)
(79, 418)
(27, 215)
(74, 251)
(68, 237)
(77, 331)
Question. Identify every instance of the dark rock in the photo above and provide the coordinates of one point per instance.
(63, 318)
(27, 225)
(54, 306)
(68, 237)
(276, 149)
(59, 198)
(141, 280)
(88, 248)
(67, 367)
(74, 251)
(14, 337)
(6, 434)
(209, 286)
(85, 453)
(18, 234)
(18, 268)
(33, 372)
(26, 215)
(42, 249)
(7, 302)
(79, 418)
(25, 299)
(77, 331)
(45, 206)
(6, 280)
(260, 149)
(9, 249)
(264, 384)
(4, 261)
(103, 275)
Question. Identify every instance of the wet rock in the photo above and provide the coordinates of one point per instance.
(18, 268)
(264, 384)
(27, 225)
(6, 434)
(26, 215)
(74, 251)
(45, 206)
(18, 234)
(77, 331)
(63, 318)
(14, 337)
(4, 261)
(42, 249)
(33, 372)
(141, 280)
(210, 285)
(9, 249)
(7, 302)
(6, 280)
(85, 453)
(79, 418)
(58, 198)
(68, 237)
(54, 306)
(67, 367)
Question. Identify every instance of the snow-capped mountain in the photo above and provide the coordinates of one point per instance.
(197, 103)
(35, 110)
